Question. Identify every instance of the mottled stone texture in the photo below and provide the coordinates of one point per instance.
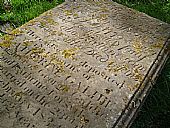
(83, 64)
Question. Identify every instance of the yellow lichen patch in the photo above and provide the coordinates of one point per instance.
(120, 68)
(34, 67)
(16, 32)
(133, 87)
(68, 12)
(110, 63)
(78, 6)
(60, 33)
(5, 44)
(84, 120)
(104, 10)
(43, 23)
(51, 21)
(65, 88)
(56, 23)
(59, 63)
(47, 21)
(75, 15)
(46, 42)
(69, 53)
(157, 45)
(35, 59)
(31, 22)
(54, 32)
(27, 24)
(45, 55)
(8, 30)
(54, 60)
(22, 56)
(27, 43)
(97, 2)
(103, 16)
(36, 53)
(136, 85)
(137, 45)
(53, 55)
(18, 94)
(49, 13)
(137, 75)
(145, 38)
(8, 37)
(37, 50)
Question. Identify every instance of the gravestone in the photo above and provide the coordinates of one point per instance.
(82, 64)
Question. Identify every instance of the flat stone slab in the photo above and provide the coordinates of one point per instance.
(83, 64)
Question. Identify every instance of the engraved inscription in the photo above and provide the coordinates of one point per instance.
(77, 65)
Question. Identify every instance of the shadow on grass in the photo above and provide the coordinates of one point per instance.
(155, 113)
(24, 10)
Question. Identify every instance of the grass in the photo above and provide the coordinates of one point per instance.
(155, 112)
(25, 10)
(159, 9)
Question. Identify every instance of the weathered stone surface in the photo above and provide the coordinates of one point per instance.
(83, 64)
